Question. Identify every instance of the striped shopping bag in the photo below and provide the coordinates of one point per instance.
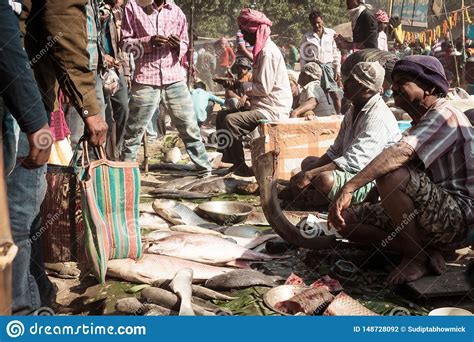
(110, 198)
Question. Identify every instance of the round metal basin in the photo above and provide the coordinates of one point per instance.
(281, 293)
(225, 213)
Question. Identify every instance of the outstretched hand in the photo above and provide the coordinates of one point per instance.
(336, 213)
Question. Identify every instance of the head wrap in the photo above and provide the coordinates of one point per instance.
(425, 69)
(370, 75)
(381, 16)
(255, 22)
(313, 70)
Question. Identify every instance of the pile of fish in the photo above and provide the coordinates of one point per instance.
(192, 187)
(185, 250)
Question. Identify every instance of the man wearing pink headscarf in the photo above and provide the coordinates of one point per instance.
(269, 91)
(382, 20)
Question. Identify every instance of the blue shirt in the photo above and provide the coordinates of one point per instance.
(201, 100)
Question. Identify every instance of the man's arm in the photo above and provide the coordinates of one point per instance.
(336, 57)
(129, 40)
(389, 160)
(216, 99)
(310, 104)
(20, 91)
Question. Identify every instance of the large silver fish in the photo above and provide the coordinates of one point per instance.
(159, 267)
(206, 249)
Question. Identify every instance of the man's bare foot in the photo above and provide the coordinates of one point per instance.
(409, 270)
(436, 262)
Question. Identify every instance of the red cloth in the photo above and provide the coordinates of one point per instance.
(59, 127)
(226, 57)
(255, 22)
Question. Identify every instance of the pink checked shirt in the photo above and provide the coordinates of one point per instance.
(157, 66)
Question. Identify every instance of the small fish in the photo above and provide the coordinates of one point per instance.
(152, 222)
(181, 285)
(241, 279)
(243, 231)
(196, 230)
(157, 310)
(206, 249)
(178, 194)
(169, 300)
(178, 214)
(177, 184)
(173, 155)
(208, 294)
(155, 267)
(130, 306)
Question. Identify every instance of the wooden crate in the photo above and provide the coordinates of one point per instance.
(296, 139)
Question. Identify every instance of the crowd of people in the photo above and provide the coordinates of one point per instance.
(119, 65)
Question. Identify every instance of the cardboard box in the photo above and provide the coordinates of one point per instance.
(296, 139)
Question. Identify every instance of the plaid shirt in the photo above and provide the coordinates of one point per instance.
(155, 66)
(444, 142)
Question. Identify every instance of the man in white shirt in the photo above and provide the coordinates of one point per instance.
(382, 21)
(320, 46)
(269, 91)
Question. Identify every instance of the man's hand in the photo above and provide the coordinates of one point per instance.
(174, 42)
(158, 41)
(242, 102)
(111, 62)
(96, 130)
(128, 81)
(40, 148)
(342, 201)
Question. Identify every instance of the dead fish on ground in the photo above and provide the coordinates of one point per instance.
(157, 235)
(195, 230)
(179, 214)
(169, 300)
(152, 222)
(241, 279)
(181, 285)
(243, 231)
(177, 183)
(173, 155)
(201, 182)
(309, 302)
(157, 310)
(208, 294)
(130, 306)
(255, 242)
(179, 194)
(155, 267)
(206, 249)
(64, 270)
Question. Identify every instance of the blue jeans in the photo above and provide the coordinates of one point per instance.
(26, 191)
(143, 105)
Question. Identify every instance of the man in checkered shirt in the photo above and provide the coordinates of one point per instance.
(156, 32)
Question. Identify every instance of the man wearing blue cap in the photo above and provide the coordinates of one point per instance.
(426, 181)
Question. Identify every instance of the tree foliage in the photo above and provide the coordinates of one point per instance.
(217, 18)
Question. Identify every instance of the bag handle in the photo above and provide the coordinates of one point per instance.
(100, 152)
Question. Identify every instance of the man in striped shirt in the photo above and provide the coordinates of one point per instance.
(365, 132)
(426, 181)
(156, 33)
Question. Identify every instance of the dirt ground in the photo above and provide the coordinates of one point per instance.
(83, 296)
